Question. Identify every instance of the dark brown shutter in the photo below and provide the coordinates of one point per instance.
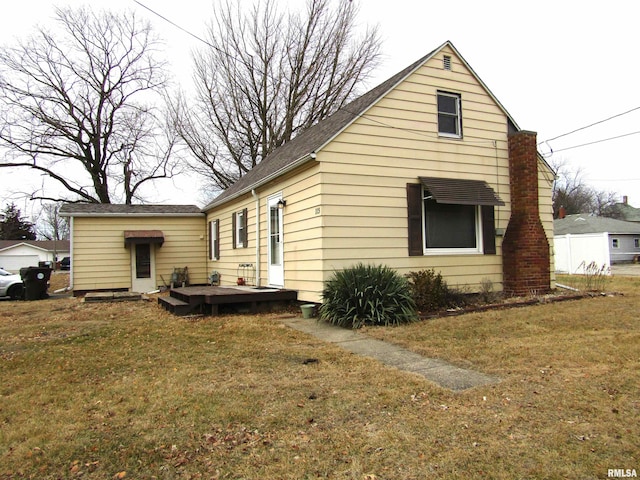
(216, 244)
(488, 229)
(210, 242)
(233, 229)
(414, 219)
(245, 233)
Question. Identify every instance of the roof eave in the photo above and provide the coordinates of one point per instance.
(263, 181)
(124, 214)
(23, 244)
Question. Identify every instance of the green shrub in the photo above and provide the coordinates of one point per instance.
(430, 292)
(367, 295)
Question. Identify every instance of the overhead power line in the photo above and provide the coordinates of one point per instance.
(589, 126)
(597, 141)
(174, 24)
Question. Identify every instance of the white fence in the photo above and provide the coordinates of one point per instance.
(574, 252)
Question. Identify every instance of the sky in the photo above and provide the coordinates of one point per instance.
(556, 66)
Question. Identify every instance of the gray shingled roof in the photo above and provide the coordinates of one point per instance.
(302, 146)
(110, 209)
(579, 223)
(629, 213)
(300, 149)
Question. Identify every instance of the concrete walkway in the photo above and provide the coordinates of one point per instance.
(437, 371)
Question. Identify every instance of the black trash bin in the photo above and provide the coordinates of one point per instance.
(36, 281)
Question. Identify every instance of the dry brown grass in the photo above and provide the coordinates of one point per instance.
(58, 280)
(93, 391)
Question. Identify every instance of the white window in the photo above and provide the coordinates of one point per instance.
(239, 223)
(214, 244)
(615, 243)
(449, 228)
(449, 115)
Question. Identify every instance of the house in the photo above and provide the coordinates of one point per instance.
(626, 212)
(582, 239)
(426, 170)
(134, 247)
(16, 254)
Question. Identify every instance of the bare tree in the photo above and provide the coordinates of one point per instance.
(79, 107)
(265, 77)
(572, 193)
(50, 225)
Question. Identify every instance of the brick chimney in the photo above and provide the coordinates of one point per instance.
(525, 248)
(562, 212)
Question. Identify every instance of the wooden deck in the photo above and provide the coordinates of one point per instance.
(208, 300)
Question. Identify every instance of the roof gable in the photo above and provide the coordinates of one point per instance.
(303, 147)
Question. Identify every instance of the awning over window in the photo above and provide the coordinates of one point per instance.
(143, 236)
(461, 192)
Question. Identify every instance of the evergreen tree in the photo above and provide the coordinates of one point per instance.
(14, 227)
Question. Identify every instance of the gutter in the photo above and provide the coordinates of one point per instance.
(70, 287)
(127, 215)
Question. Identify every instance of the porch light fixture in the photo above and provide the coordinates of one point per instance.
(281, 204)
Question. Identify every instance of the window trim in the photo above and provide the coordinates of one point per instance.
(636, 243)
(478, 249)
(214, 240)
(239, 223)
(458, 114)
(415, 222)
(615, 242)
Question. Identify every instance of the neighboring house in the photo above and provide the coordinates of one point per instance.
(626, 212)
(16, 254)
(426, 170)
(582, 239)
(134, 247)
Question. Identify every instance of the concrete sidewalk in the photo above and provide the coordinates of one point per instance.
(437, 371)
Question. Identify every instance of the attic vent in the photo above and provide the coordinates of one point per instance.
(446, 62)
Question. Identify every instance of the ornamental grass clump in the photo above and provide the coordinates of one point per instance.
(367, 295)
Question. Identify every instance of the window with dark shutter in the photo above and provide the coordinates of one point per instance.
(216, 243)
(210, 241)
(234, 231)
(414, 219)
(244, 231)
(451, 216)
(488, 230)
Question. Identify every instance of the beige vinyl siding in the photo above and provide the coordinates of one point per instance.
(545, 188)
(365, 170)
(351, 205)
(302, 229)
(101, 260)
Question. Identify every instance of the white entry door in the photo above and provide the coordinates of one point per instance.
(143, 267)
(275, 268)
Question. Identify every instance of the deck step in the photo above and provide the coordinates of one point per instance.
(175, 305)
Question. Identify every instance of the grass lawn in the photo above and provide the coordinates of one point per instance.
(129, 391)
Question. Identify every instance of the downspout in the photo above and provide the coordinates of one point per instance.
(70, 287)
(257, 198)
